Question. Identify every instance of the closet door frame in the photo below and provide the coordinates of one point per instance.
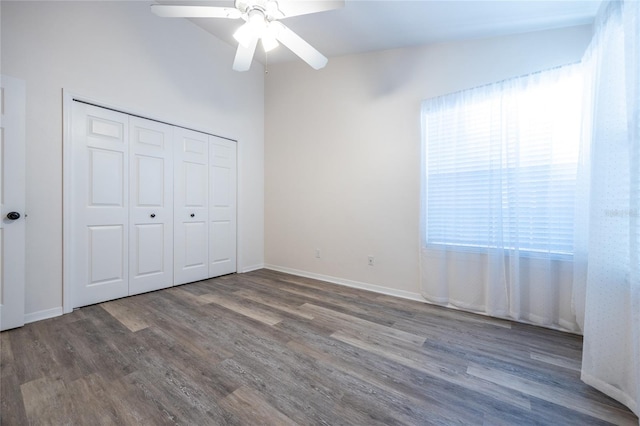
(68, 97)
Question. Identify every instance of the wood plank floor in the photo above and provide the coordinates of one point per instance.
(270, 348)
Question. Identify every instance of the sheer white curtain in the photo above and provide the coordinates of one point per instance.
(499, 170)
(607, 278)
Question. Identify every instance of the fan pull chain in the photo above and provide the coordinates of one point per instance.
(266, 62)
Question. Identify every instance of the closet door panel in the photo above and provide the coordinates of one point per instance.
(100, 206)
(191, 207)
(222, 210)
(151, 200)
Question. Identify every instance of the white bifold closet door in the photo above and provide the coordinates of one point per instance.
(191, 189)
(151, 205)
(205, 206)
(222, 211)
(100, 208)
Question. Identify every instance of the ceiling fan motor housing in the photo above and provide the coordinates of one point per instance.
(268, 8)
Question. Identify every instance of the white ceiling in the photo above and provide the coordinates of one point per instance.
(366, 25)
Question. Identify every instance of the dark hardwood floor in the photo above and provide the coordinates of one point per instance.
(270, 348)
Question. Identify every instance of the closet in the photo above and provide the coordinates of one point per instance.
(151, 205)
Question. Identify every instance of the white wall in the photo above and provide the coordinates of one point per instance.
(342, 148)
(123, 55)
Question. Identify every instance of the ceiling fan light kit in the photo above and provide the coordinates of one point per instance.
(262, 22)
(269, 42)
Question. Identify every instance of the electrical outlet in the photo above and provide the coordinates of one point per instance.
(317, 253)
(371, 260)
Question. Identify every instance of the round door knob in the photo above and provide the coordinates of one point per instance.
(152, 215)
(193, 215)
(13, 216)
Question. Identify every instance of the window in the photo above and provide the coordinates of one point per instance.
(500, 164)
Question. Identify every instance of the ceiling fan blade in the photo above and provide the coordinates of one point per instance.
(303, 7)
(170, 11)
(297, 45)
(244, 55)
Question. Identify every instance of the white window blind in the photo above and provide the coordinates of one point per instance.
(500, 164)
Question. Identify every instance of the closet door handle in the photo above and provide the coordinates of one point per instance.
(152, 215)
(193, 215)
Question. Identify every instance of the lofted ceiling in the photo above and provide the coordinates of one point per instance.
(370, 25)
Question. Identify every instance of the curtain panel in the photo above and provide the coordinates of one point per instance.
(498, 184)
(607, 267)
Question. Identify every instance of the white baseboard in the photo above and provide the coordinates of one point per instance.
(349, 283)
(405, 295)
(252, 268)
(42, 315)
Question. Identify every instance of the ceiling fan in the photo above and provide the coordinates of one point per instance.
(262, 22)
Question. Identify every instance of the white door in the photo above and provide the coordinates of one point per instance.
(222, 206)
(191, 215)
(151, 201)
(99, 185)
(12, 202)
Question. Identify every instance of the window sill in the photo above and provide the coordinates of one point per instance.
(468, 248)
